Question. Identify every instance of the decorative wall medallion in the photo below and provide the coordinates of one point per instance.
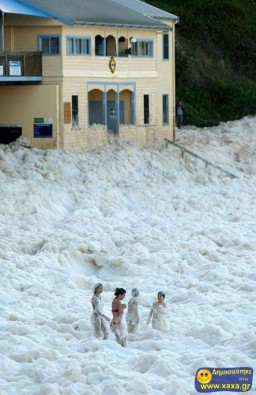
(112, 64)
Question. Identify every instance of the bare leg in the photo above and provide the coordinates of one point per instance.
(131, 328)
(97, 330)
(105, 331)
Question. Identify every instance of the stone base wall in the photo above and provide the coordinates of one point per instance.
(97, 137)
(144, 135)
(74, 140)
(77, 140)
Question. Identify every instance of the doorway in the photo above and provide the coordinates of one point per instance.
(96, 114)
(9, 133)
(112, 116)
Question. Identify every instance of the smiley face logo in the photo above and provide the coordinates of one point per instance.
(204, 376)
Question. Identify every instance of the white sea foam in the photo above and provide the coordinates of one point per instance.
(127, 217)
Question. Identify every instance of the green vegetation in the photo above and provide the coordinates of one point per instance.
(215, 58)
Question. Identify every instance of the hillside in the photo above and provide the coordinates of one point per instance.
(215, 58)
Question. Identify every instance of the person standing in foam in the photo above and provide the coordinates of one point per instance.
(158, 314)
(98, 319)
(132, 316)
(117, 325)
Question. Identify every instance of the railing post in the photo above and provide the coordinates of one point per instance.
(206, 162)
(2, 31)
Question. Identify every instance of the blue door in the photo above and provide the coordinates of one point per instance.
(112, 121)
(96, 114)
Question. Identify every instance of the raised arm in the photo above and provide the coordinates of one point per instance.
(150, 315)
(97, 308)
(119, 307)
(96, 305)
(162, 308)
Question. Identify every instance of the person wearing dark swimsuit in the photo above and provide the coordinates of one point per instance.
(117, 324)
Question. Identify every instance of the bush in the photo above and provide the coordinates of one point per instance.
(215, 58)
(219, 101)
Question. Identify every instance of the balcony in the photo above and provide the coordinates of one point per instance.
(20, 67)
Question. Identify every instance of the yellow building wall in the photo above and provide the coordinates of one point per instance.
(21, 104)
(151, 75)
(7, 39)
(25, 39)
(21, 35)
(97, 66)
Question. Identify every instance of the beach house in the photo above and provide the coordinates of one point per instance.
(74, 73)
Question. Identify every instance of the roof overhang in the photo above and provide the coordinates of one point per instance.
(129, 26)
(17, 7)
(175, 20)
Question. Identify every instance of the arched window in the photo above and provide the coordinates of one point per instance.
(95, 104)
(110, 46)
(123, 46)
(99, 45)
(126, 111)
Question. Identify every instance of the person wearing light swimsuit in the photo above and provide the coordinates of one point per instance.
(132, 316)
(158, 314)
(98, 319)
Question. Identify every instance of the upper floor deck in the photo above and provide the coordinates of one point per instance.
(20, 67)
(37, 52)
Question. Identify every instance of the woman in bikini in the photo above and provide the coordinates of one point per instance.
(117, 325)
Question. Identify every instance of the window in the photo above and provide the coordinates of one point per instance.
(146, 109)
(100, 45)
(166, 46)
(49, 45)
(165, 109)
(123, 46)
(78, 46)
(142, 48)
(75, 120)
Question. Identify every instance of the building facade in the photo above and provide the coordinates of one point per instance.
(72, 74)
